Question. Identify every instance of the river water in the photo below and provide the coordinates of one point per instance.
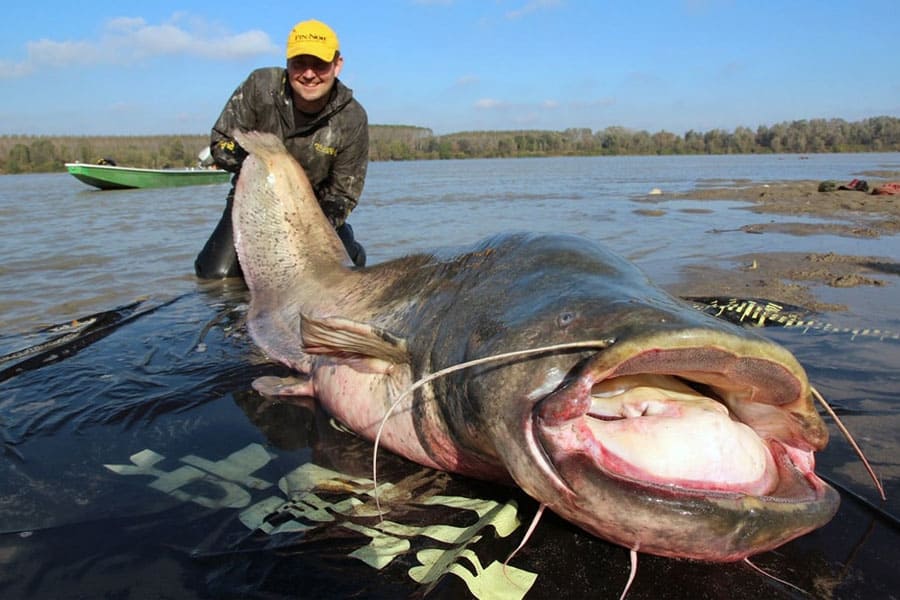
(137, 461)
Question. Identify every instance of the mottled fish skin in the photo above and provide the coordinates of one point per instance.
(675, 434)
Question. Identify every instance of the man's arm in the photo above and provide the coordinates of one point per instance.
(238, 114)
(340, 193)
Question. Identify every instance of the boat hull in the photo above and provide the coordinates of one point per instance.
(106, 177)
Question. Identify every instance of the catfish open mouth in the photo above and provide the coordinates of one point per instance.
(692, 420)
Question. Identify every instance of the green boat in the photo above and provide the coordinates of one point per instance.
(108, 177)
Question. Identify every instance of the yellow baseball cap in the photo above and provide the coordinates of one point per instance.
(312, 37)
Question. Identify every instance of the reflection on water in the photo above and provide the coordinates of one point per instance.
(138, 462)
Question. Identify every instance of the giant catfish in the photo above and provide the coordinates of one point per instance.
(676, 434)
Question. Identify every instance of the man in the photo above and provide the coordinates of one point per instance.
(321, 124)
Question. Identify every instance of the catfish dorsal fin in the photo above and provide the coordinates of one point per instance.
(339, 335)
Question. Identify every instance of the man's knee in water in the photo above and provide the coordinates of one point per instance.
(218, 259)
(217, 270)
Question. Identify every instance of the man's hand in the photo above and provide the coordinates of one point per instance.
(229, 155)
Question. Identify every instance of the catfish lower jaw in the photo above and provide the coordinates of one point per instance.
(678, 523)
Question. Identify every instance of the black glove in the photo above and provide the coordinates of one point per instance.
(336, 208)
(229, 155)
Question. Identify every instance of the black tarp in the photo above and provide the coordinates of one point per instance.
(139, 463)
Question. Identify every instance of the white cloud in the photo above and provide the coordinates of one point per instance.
(125, 23)
(9, 69)
(489, 104)
(126, 39)
(47, 53)
(467, 80)
(532, 6)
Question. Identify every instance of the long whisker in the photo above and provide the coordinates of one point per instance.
(779, 580)
(632, 553)
(458, 367)
(850, 439)
(525, 538)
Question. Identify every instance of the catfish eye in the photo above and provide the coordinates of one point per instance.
(565, 318)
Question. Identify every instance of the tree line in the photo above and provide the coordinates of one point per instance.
(877, 134)
(35, 154)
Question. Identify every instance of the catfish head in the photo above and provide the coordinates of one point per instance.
(680, 435)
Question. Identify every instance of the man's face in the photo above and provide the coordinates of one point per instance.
(312, 79)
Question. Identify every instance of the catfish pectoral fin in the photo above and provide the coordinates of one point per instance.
(339, 335)
(270, 385)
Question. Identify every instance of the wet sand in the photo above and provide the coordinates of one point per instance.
(790, 277)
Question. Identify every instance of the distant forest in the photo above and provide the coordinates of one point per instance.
(37, 154)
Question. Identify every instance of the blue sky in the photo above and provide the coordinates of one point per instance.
(121, 68)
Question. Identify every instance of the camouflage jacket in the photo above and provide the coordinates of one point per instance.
(332, 146)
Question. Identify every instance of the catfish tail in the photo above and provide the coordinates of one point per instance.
(287, 248)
